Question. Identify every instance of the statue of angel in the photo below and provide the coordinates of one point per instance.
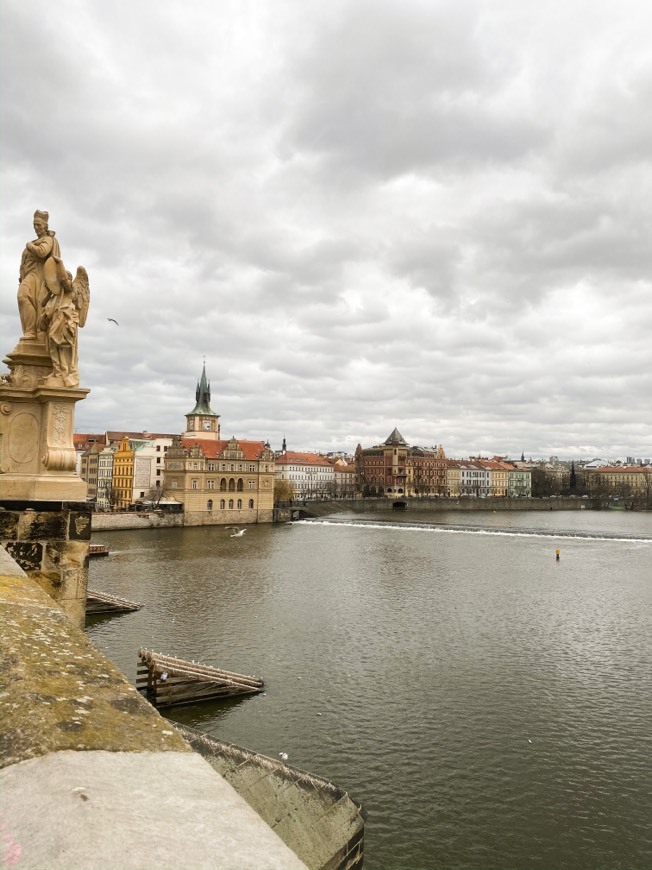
(64, 312)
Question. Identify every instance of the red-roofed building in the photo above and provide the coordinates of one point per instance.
(309, 474)
(393, 468)
(218, 481)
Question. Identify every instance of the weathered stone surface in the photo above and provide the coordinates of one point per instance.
(43, 548)
(79, 526)
(317, 820)
(40, 525)
(131, 811)
(29, 555)
(59, 692)
(8, 524)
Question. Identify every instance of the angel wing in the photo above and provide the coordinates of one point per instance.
(82, 293)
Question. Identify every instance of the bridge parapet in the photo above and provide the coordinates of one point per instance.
(92, 776)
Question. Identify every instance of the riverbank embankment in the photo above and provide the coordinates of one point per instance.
(121, 521)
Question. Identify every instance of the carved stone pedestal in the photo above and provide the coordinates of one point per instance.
(45, 523)
(37, 453)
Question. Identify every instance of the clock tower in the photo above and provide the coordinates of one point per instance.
(202, 422)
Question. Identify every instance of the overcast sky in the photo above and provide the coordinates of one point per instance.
(362, 213)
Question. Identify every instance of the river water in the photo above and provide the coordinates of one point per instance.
(488, 704)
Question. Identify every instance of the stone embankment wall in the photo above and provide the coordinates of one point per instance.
(49, 541)
(434, 505)
(106, 522)
(92, 776)
(320, 822)
(365, 505)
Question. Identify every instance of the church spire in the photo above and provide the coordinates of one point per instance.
(203, 393)
(202, 421)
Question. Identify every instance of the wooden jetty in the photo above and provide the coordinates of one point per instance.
(98, 550)
(166, 681)
(102, 602)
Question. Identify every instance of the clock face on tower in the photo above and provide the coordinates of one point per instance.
(206, 425)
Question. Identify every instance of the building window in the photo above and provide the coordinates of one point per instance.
(240, 484)
(223, 484)
(195, 484)
(222, 504)
(252, 484)
(231, 485)
(230, 504)
(211, 484)
(251, 502)
(239, 503)
(209, 504)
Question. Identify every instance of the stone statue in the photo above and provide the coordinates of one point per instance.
(32, 291)
(38, 460)
(65, 311)
(52, 306)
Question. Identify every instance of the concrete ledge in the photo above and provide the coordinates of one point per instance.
(133, 811)
(93, 777)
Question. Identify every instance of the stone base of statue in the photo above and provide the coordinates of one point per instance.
(45, 522)
(37, 413)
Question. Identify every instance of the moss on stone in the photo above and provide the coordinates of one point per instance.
(59, 692)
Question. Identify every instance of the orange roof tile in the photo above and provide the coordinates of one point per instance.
(214, 449)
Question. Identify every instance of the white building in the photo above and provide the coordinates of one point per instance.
(310, 475)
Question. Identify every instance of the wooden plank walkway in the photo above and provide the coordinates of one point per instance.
(167, 681)
(102, 602)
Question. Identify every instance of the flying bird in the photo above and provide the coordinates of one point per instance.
(113, 321)
(237, 533)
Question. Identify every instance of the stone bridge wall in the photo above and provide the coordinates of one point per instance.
(92, 776)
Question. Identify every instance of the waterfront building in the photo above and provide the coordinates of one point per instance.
(123, 474)
(453, 477)
(498, 477)
(344, 477)
(311, 475)
(383, 470)
(218, 481)
(520, 482)
(475, 479)
(623, 481)
(104, 495)
(145, 476)
(395, 468)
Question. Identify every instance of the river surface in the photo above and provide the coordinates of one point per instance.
(488, 704)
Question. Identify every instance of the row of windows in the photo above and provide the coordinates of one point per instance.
(238, 504)
(232, 486)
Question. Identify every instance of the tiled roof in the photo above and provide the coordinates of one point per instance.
(294, 458)
(214, 449)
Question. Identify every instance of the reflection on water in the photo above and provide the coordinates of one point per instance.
(489, 705)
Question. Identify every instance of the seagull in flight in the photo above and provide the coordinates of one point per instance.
(113, 321)
(237, 533)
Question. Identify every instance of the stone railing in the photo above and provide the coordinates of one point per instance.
(92, 776)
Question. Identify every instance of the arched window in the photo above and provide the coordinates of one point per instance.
(231, 485)
(240, 484)
(222, 504)
(223, 484)
(231, 504)
(210, 504)
(251, 502)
